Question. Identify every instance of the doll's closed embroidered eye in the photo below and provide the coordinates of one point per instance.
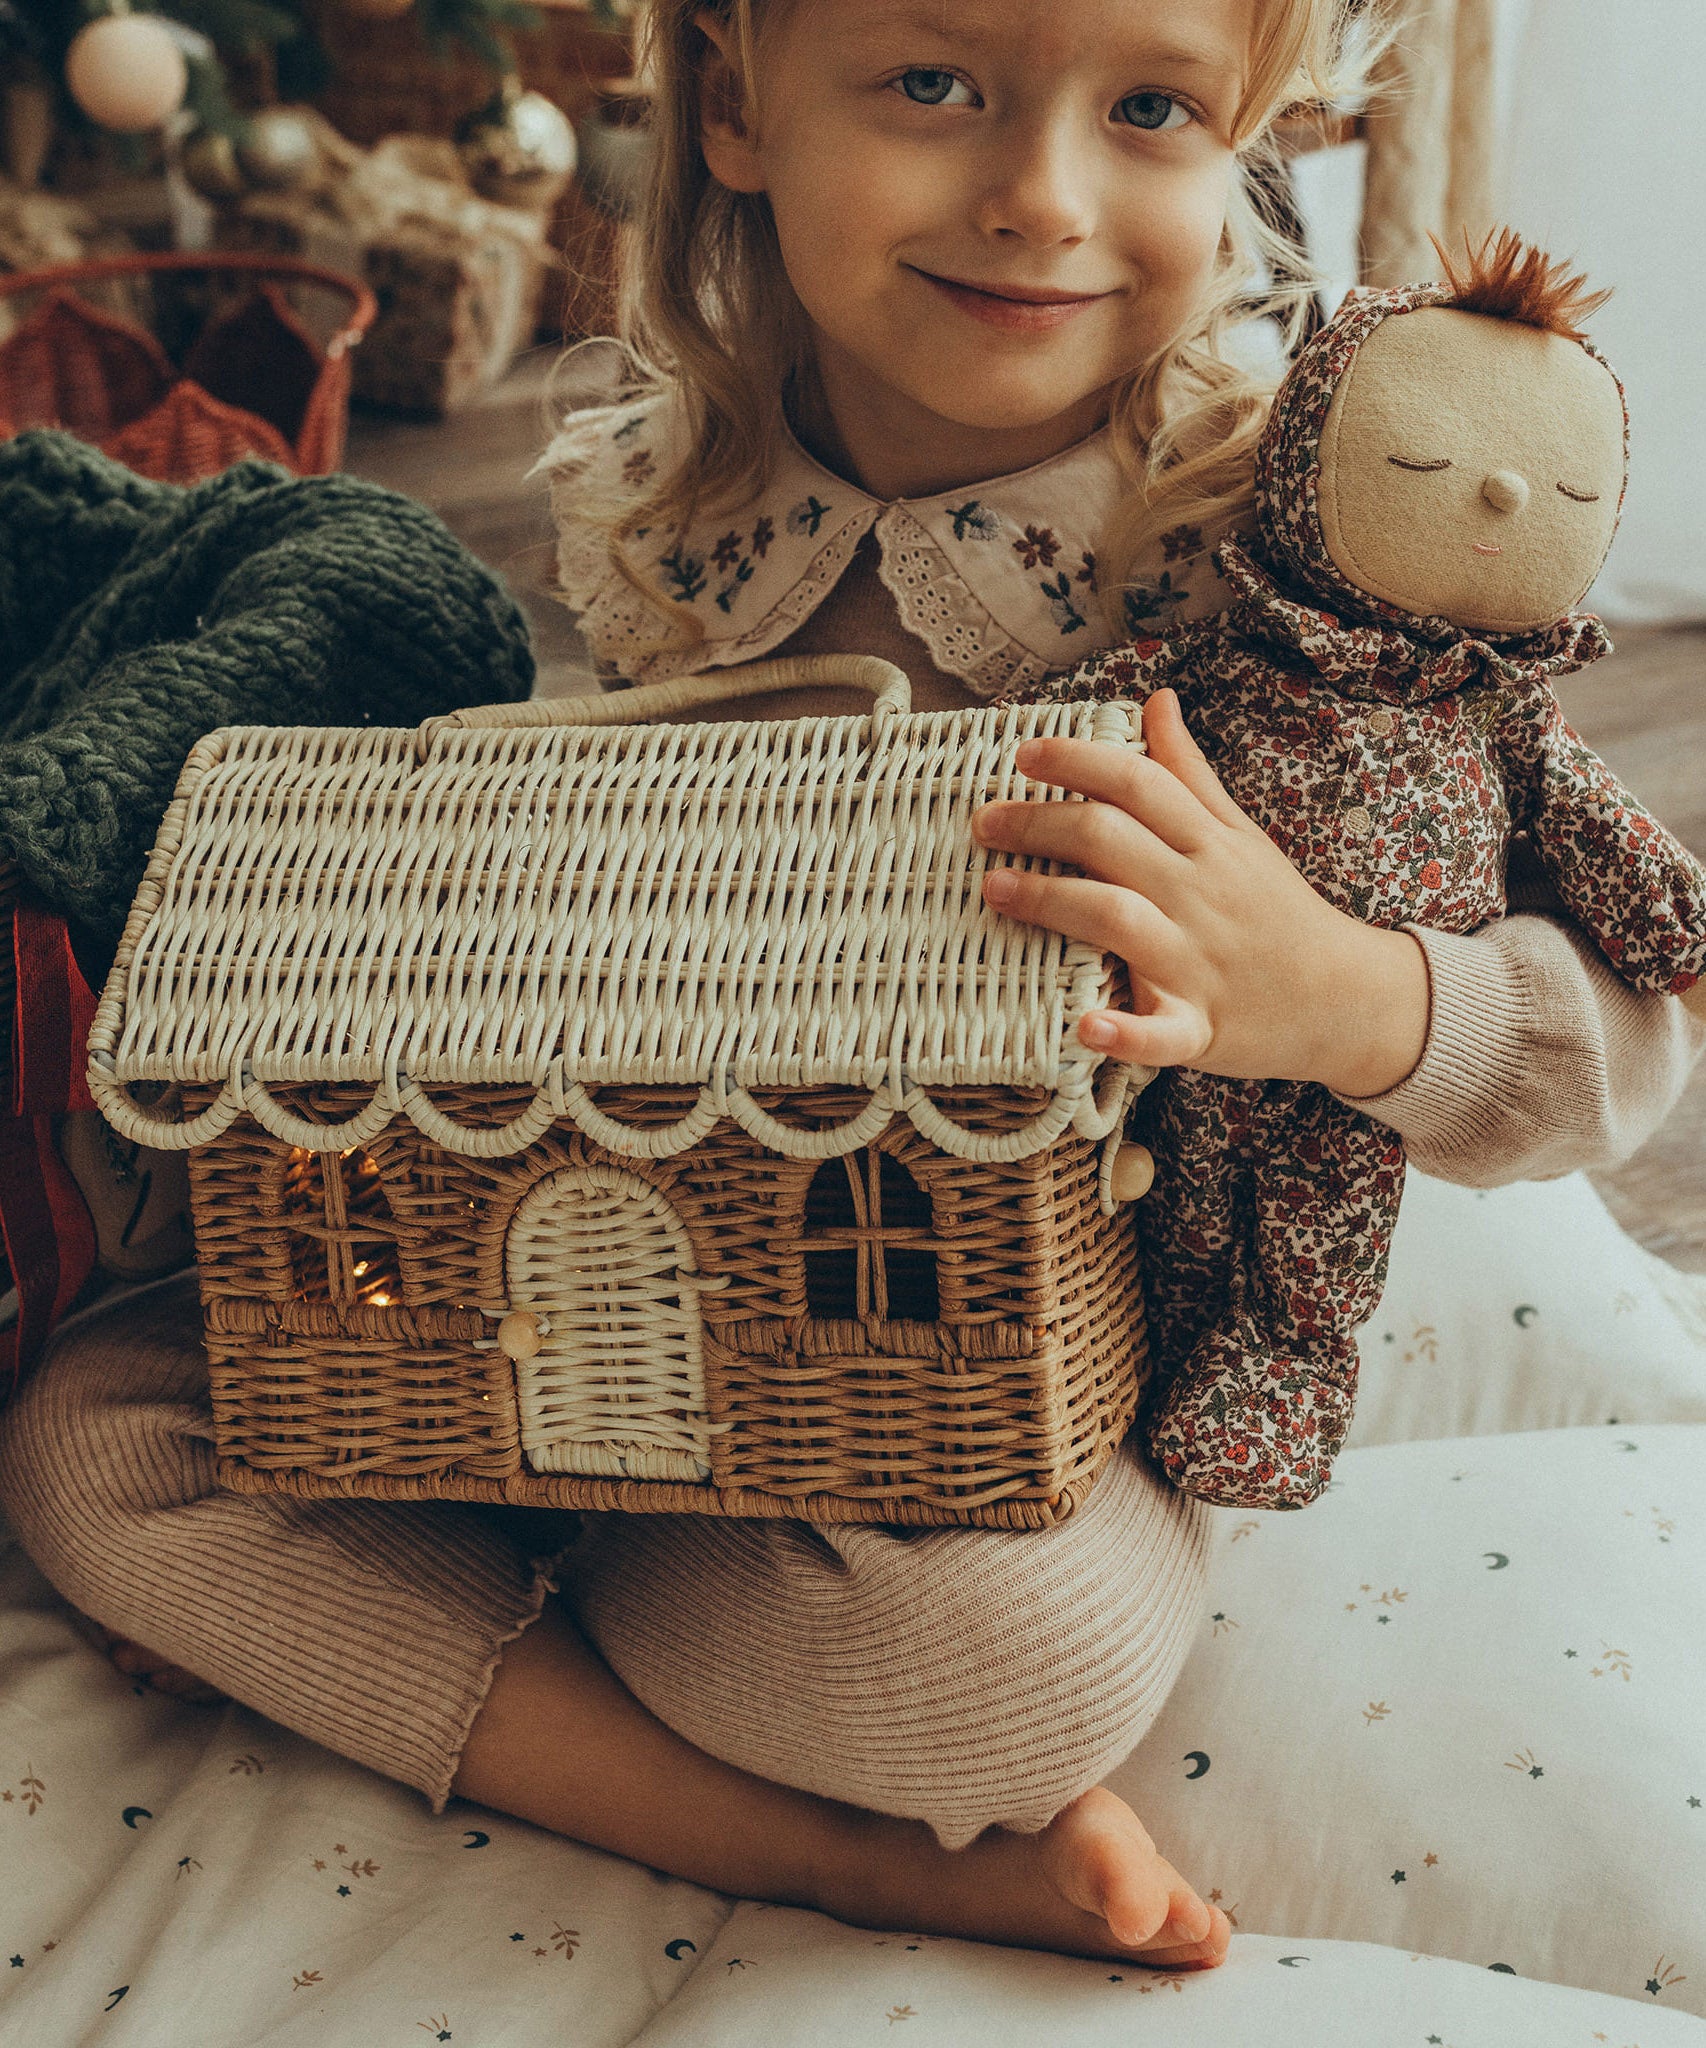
(1399, 462)
(1581, 497)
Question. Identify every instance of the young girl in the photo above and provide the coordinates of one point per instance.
(933, 309)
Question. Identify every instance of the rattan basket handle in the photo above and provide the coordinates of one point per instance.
(887, 684)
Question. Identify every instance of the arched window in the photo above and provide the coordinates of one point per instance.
(341, 1232)
(869, 1242)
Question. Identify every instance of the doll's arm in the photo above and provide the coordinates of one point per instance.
(1540, 1058)
(1630, 884)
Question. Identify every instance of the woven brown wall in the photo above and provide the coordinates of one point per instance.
(1001, 1412)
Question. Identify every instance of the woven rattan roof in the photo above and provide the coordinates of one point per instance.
(732, 906)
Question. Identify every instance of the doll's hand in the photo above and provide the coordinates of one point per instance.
(1238, 967)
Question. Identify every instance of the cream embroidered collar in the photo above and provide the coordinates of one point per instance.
(997, 580)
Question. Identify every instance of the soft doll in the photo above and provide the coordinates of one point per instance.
(1435, 490)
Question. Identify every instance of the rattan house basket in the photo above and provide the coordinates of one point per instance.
(593, 1114)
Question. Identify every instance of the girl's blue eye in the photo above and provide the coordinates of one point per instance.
(928, 88)
(1152, 111)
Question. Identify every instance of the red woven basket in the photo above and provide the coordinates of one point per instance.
(252, 379)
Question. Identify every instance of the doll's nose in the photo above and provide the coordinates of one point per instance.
(1505, 491)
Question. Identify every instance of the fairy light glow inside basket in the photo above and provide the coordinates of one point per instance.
(656, 1117)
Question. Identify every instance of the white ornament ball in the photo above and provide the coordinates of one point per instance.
(126, 72)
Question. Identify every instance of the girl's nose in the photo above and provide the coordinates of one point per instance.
(1039, 192)
(1505, 491)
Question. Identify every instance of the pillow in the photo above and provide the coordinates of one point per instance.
(782, 1979)
(1455, 1706)
(1525, 1307)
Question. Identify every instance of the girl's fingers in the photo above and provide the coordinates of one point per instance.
(1144, 789)
(1101, 914)
(1173, 1034)
(1102, 840)
(1170, 744)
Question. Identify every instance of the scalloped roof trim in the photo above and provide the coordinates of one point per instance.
(731, 906)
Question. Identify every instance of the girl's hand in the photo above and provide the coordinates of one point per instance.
(1238, 967)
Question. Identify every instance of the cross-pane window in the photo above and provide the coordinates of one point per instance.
(870, 1242)
(343, 1236)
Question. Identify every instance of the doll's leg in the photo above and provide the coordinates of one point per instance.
(1200, 1128)
(1262, 1404)
(966, 1677)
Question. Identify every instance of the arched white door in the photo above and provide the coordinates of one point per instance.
(617, 1388)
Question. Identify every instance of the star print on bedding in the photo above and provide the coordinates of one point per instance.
(1469, 1671)
(999, 580)
(1372, 1692)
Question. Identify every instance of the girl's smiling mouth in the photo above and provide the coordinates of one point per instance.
(1021, 307)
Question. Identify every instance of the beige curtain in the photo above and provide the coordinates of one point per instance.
(1432, 139)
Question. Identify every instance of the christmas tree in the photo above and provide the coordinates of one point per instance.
(127, 70)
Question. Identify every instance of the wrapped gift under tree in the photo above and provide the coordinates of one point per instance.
(457, 276)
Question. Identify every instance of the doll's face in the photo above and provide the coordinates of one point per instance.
(1471, 469)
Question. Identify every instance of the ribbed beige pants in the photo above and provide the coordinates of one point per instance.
(963, 1677)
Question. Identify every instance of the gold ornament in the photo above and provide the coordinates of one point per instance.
(126, 72)
(519, 149)
(209, 162)
(278, 150)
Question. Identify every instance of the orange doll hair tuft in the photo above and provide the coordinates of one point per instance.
(1509, 279)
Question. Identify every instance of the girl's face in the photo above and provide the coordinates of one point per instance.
(991, 210)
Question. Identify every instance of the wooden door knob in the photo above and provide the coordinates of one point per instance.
(1133, 1175)
(520, 1335)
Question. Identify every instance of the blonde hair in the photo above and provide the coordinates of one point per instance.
(707, 312)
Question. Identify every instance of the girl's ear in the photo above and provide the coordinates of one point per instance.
(724, 136)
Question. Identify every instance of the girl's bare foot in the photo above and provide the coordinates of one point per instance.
(1091, 1883)
(154, 1671)
(560, 1742)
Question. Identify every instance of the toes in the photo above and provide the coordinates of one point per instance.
(1104, 1861)
(1132, 1889)
(170, 1679)
(1138, 1910)
(1171, 1915)
(1188, 1917)
(1207, 1954)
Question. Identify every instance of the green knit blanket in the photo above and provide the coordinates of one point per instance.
(136, 617)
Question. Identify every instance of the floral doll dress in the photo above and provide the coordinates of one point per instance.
(1392, 758)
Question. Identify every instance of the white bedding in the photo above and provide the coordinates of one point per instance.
(178, 1875)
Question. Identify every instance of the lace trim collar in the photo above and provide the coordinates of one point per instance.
(997, 581)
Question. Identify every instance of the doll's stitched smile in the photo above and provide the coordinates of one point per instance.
(1486, 547)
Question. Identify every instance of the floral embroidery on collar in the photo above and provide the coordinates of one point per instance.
(999, 581)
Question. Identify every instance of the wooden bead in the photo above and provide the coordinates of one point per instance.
(1133, 1176)
(519, 1336)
